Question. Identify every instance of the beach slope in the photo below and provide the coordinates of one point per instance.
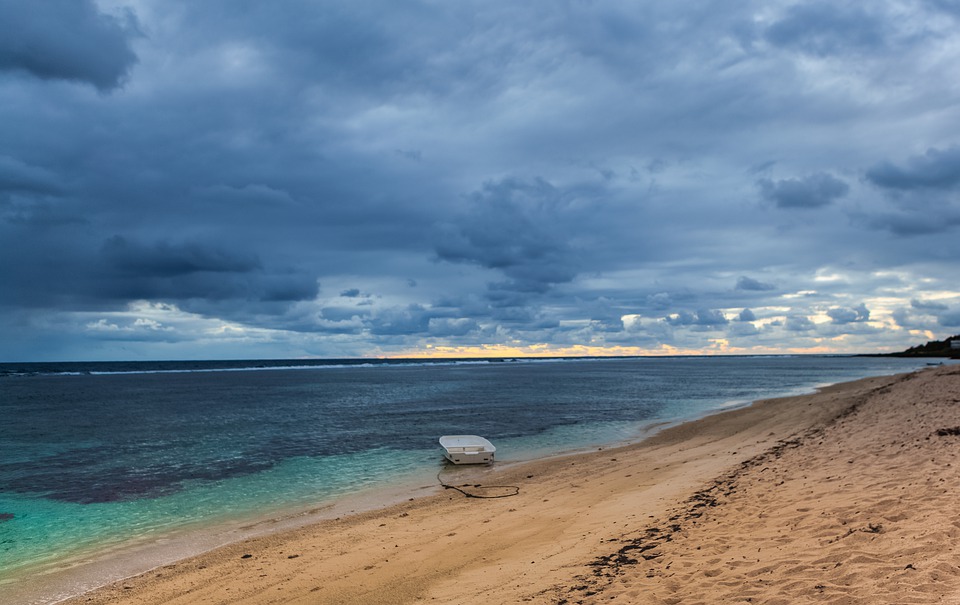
(847, 496)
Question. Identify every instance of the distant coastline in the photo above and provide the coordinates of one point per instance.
(947, 348)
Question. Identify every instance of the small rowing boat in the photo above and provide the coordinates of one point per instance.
(467, 449)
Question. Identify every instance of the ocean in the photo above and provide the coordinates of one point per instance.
(98, 457)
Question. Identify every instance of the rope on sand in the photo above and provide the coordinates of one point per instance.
(478, 486)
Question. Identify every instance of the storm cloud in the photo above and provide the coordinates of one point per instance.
(830, 28)
(935, 169)
(220, 179)
(524, 229)
(841, 315)
(808, 192)
(67, 40)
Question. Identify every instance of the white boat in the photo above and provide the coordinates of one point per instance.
(467, 449)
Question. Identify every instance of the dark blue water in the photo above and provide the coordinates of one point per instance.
(95, 454)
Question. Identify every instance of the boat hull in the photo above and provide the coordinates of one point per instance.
(467, 449)
(469, 458)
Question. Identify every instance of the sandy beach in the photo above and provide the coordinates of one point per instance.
(851, 495)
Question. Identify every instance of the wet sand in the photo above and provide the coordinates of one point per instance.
(851, 495)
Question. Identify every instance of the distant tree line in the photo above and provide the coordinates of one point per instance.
(934, 348)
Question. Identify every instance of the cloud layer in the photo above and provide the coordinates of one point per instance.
(66, 40)
(189, 180)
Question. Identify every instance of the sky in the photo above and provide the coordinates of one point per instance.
(232, 179)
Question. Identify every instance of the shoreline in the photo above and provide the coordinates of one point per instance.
(860, 509)
(60, 581)
(88, 571)
(568, 510)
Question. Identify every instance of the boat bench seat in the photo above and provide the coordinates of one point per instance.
(470, 449)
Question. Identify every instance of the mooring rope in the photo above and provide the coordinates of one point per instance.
(478, 486)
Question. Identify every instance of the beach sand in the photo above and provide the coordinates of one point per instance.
(851, 495)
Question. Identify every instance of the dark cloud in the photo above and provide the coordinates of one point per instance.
(812, 191)
(132, 270)
(164, 259)
(935, 169)
(683, 318)
(927, 305)
(904, 319)
(66, 40)
(841, 315)
(950, 318)
(927, 316)
(828, 28)
(520, 228)
(914, 222)
(411, 320)
(16, 176)
(342, 313)
(799, 323)
(753, 285)
(743, 330)
(711, 317)
(442, 327)
(703, 317)
(659, 301)
(747, 315)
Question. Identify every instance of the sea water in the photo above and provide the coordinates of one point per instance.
(96, 456)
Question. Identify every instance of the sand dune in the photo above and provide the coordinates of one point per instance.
(847, 496)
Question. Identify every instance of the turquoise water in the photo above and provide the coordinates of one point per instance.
(92, 461)
(49, 531)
